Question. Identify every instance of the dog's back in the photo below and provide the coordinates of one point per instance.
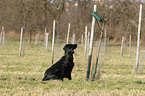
(54, 71)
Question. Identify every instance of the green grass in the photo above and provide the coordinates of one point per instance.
(21, 76)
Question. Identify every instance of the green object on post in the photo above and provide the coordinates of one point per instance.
(97, 16)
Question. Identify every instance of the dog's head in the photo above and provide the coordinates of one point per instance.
(69, 48)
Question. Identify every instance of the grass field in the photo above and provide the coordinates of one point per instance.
(21, 76)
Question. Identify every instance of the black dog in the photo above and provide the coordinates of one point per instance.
(62, 68)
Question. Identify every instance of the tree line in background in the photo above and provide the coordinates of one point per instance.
(36, 15)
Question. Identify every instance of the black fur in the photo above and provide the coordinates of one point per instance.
(62, 68)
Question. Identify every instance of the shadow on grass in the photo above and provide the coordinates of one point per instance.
(20, 78)
(139, 82)
(3, 79)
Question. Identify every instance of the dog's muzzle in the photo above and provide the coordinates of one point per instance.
(71, 52)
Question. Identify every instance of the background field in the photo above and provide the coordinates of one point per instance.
(21, 76)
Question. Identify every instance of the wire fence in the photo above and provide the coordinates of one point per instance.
(52, 43)
(11, 46)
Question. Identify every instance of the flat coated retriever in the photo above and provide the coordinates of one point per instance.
(62, 68)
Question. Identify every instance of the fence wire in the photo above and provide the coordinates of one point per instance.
(39, 42)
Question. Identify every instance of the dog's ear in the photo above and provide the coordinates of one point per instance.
(74, 46)
(64, 48)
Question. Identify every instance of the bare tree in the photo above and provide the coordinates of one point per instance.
(35, 15)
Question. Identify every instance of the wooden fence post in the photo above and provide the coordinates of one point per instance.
(21, 41)
(73, 40)
(0, 38)
(53, 40)
(45, 37)
(3, 36)
(130, 46)
(45, 30)
(46, 41)
(3, 39)
(68, 33)
(138, 42)
(122, 46)
(98, 52)
(23, 47)
(36, 39)
(86, 40)
(105, 40)
(91, 45)
(82, 41)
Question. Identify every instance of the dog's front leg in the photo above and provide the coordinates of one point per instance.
(69, 76)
